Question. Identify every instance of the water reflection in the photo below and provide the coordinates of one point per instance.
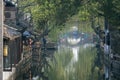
(74, 58)
(75, 51)
(72, 63)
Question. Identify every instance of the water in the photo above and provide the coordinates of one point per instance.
(74, 61)
(75, 51)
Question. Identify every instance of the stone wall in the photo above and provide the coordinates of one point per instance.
(1, 23)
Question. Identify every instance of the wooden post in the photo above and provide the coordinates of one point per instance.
(30, 75)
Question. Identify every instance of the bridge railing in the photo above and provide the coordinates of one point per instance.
(115, 66)
(25, 63)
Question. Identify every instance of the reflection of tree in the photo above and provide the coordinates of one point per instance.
(81, 69)
(42, 58)
(98, 63)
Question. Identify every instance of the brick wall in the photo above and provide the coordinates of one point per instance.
(11, 19)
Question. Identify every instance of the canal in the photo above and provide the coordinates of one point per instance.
(77, 58)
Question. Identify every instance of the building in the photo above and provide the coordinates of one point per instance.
(16, 55)
(12, 50)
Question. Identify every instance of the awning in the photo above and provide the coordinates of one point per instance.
(10, 32)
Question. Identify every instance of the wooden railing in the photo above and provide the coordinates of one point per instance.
(36, 53)
(25, 63)
(113, 63)
(49, 46)
(115, 66)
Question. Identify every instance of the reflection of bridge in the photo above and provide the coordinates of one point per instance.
(25, 64)
(73, 41)
(49, 46)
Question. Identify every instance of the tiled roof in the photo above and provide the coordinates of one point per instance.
(10, 32)
(9, 4)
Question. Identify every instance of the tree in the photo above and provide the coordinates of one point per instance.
(47, 13)
(110, 10)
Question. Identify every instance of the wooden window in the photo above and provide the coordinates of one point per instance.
(7, 15)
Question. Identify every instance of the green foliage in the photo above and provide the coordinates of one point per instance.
(45, 12)
(83, 13)
(110, 10)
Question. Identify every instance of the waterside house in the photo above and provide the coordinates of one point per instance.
(16, 55)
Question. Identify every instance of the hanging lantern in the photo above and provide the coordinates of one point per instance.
(5, 50)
